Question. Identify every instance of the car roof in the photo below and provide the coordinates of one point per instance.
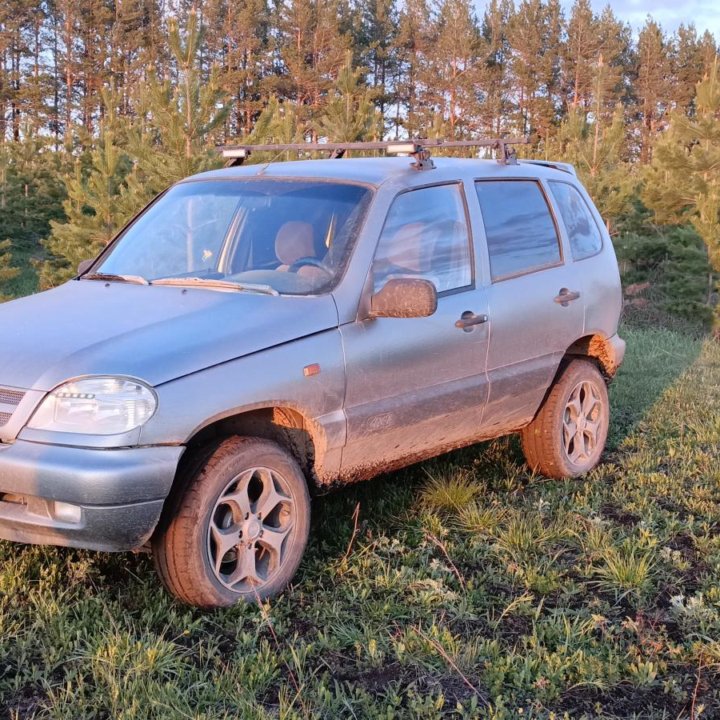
(376, 171)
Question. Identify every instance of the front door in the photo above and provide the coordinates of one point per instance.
(417, 386)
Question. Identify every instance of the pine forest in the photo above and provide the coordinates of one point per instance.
(104, 103)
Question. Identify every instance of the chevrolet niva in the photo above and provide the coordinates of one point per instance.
(263, 332)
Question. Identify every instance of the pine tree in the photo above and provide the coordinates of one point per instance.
(94, 209)
(580, 52)
(170, 140)
(173, 136)
(596, 149)
(683, 182)
(375, 37)
(7, 271)
(497, 51)
(615, 55)
(350, 115)
(535, 39)
(686, 62)
(311, 47)
(451, 72)
(237, 43)
(31, 189)
(413, 42)
(652, 85)
(134, 50)
(278, 123)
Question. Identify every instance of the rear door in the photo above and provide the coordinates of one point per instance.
(417, 386)
(593, 263)
(535, 300)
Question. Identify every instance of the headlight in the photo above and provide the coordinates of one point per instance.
(96, 406)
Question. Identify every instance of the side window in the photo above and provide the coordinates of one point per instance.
(520, 231)
(426, 236)
(585, 237)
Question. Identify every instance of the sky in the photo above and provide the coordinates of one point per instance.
(705, 14)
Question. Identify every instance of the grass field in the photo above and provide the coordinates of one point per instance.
(468, 589)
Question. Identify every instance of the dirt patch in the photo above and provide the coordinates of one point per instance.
(626, 700)
(24, 703)
(377, 679)
(614, 512)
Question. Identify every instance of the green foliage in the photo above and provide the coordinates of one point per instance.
(349, 114)
(7, 271)
(683, 182)
(169, 141)
(129, 165)
(674, 262)
(449, 492)
(31, 190)
(597, 149)
(93, 209)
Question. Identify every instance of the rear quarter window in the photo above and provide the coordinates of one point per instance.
(582, 230)
(519, 227)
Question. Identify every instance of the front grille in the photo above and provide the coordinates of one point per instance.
(9, 400)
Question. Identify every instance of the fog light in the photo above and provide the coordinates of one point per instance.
(67, 513)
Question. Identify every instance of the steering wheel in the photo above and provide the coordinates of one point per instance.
(309, 261)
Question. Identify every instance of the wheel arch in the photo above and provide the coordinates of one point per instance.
(284, 424)
(596, 347)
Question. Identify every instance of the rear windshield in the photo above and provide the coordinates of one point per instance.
(289, 236)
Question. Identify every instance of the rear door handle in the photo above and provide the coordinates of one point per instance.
(469, 319)
(565, 297)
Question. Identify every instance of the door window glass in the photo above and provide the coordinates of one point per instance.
(426, 236)
(519, 228)
(585, 237)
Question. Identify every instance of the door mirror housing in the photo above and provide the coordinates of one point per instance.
(404, 298)
(84, 266)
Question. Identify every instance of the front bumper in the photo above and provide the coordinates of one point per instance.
(83, 497)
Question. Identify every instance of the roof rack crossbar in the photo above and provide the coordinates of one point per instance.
(418, 149)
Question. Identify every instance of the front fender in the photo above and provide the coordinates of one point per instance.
(271, 378)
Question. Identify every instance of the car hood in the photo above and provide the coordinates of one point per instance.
(156, 333)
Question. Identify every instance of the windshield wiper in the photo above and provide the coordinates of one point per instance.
(220, 284)
(136, 279)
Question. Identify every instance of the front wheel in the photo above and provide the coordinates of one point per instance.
(568, 434)
(239, 529)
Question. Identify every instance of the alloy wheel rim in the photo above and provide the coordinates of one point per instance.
(249, 527)
(582, 423)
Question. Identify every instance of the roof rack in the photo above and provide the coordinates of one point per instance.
(417, 149)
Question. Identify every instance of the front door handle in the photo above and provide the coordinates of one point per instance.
(469, 319)
(565, 297)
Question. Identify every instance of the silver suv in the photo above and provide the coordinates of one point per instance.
(261, 333)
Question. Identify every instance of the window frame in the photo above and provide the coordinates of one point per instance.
(551, 209)
(590, 213)
(468, 224)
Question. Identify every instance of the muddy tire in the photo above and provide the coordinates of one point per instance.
(238, 530)
(568, 434)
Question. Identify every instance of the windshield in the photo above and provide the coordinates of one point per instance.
(261, 235)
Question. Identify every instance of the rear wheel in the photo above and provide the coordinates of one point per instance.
(239, 529)
(568, 435)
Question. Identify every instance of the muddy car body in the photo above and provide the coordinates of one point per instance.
(140, 405)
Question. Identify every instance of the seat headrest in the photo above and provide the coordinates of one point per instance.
(294, 240)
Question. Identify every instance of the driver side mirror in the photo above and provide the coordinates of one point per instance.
(84, 266)
(404, 298)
